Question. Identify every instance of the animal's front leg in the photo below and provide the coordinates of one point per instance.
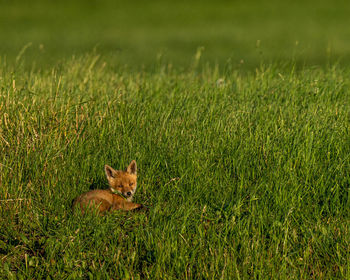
(126, 205)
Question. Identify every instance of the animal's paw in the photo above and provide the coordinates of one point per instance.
(142, 208)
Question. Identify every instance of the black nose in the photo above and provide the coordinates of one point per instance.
(128, 193)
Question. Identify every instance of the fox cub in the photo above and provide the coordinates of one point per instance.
(119, 196)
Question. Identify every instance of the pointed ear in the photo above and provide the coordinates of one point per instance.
(132, 168)
(110, 172)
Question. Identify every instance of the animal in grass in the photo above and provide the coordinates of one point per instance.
(122, 187)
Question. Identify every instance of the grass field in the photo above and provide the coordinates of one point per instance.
(243, 147)
(262, 160)
(138, 33)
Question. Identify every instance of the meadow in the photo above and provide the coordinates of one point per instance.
(139, 33)
(243, 151)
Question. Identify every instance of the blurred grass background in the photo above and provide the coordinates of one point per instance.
(138, 33)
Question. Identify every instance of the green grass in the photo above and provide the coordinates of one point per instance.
(139, 32)
(246, 175)
(237, 114)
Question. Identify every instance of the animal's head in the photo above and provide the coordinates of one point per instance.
(124, 182)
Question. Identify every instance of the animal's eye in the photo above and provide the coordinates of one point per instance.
(121, 186)
(131, 184)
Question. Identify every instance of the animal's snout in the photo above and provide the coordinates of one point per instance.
(128, 193)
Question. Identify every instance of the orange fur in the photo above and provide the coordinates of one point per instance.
(122, 188)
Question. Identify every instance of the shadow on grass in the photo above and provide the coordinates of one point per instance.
(98, 184)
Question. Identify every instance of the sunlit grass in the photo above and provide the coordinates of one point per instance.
(245, 175)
